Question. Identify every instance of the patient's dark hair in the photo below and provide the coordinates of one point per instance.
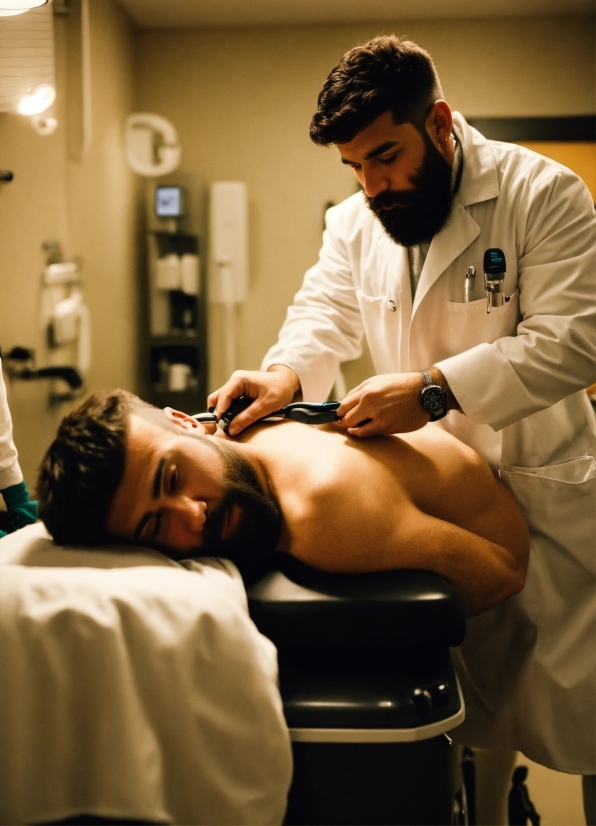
(387, 73)
(84, 465)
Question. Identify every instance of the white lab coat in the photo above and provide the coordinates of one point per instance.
(10, 471)
(528, 666)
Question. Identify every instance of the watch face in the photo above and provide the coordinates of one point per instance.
(433, 398)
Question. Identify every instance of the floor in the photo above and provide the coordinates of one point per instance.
(556, 796)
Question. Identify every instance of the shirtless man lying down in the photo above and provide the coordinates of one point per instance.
(120, 469)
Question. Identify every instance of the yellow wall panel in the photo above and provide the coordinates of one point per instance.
(577, 156)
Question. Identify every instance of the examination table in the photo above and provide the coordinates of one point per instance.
(136, 688)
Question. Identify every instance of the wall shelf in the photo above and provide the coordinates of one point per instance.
(175, 352)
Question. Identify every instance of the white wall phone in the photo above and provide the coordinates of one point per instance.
(228, 256)
(151, 144)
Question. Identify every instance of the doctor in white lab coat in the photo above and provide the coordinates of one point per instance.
(514, 378)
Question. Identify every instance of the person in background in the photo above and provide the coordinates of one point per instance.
(436, 199)
(20, 510)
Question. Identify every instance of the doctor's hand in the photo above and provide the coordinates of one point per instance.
(389, 403)
(271, 390)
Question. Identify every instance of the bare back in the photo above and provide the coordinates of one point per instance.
(384, 502)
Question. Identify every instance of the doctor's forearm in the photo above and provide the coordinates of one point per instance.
(501, 383)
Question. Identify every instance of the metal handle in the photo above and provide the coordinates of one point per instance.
(309, 413)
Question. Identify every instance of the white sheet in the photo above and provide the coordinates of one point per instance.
(134, 688)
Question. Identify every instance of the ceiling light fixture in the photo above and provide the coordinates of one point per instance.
(19, 6)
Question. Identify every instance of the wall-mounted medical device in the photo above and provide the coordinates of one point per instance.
(65, 314)
(176, 349)
(151, 144)
(20, 364)
(169, 201)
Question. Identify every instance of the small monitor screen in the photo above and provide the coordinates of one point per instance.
(168, 201)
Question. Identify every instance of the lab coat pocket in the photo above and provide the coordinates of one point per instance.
(539, 631)
(470, 324)
(558, 503)
(381, 322)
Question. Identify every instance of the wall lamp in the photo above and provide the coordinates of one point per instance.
(41, 99)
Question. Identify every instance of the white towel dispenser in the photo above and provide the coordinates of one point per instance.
(228, 243)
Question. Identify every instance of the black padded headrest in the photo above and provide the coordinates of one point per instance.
(298, 605)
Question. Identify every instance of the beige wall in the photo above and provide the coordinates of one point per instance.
(88, 206)
(242, 101)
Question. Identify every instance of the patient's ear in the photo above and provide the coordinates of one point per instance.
(184, 421)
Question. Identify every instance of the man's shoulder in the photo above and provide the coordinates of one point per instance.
(528, 162)
(540, 186)
(512, 174)
(516, 167)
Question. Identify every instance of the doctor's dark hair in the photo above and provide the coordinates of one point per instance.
(84, 465)
(386, 73)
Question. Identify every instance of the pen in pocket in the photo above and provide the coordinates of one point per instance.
(469, 284)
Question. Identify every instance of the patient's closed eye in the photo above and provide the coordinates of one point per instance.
(156, 526)
(152, 528)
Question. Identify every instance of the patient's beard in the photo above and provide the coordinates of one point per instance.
(417, 214)
(254, 538)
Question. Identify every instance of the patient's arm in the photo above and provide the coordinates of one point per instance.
(482, 572)
(484, 557)
(476, 537)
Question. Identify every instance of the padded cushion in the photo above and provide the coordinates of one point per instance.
(297, 605)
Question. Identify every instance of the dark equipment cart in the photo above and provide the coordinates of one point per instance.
(369, 691)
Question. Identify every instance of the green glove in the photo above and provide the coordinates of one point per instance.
(18, 503)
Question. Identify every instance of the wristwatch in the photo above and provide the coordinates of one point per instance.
(433, 398)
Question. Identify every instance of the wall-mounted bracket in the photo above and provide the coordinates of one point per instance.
(20, 365)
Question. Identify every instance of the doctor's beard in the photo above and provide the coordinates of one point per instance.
(416, 215)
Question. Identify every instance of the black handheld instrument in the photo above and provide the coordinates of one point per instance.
(494, 277)
(304, 412)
